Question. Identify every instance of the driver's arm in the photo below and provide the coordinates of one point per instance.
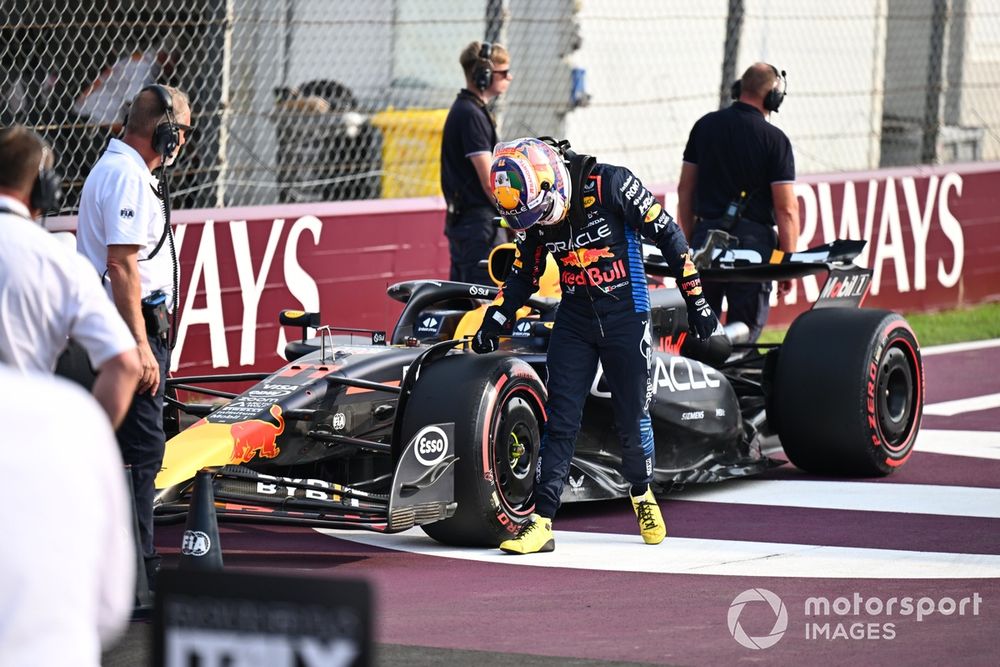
(522, 281)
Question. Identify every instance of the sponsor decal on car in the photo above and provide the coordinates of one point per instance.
(289, 487)
(339, 421)
(431, 445)
(681, 375)
(256, 437)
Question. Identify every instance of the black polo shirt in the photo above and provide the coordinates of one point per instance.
(468, 129)
(736, 149)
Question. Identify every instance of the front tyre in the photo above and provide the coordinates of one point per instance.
(497, 404)
(848, 392)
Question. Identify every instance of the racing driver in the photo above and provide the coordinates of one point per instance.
(589, 217)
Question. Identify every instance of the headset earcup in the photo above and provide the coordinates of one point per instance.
(46, 193)
(483, 76)
(774, 99)
(736, 89)
(165, 139)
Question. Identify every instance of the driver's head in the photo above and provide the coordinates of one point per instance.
(530, 183)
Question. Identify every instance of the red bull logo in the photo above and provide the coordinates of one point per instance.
(584, 257)
(595, 276)
(256, 437)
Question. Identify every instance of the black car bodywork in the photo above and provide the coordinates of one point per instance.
(383, 432)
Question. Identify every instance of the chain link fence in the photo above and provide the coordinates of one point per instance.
(324, 100)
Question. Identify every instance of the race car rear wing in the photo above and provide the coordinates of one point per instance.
(847, 284)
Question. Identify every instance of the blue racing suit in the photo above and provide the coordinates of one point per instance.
(603, 316)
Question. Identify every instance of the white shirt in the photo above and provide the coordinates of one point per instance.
(48, 292)
(119, 206)
(67, 566)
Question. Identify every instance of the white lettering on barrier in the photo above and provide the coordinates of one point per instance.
(952, 228)
(206, 270)
(920, 225)
(300, 284)
(205, 278)
(251, 286)
(888, 242)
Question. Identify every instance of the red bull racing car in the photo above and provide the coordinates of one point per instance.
(366, 430)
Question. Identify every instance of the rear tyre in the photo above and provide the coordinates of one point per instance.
(497, 405)
(848, 392)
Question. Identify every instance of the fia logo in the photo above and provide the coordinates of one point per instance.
(195, 543)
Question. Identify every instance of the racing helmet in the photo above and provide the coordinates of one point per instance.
(530, 183)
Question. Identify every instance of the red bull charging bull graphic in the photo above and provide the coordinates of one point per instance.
(256, 437)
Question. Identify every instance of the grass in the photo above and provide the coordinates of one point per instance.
(946, 326)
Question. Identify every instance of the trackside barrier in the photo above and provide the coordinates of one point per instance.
(930, 232)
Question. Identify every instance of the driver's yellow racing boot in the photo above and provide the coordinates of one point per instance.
(536, 537)
(651, 525)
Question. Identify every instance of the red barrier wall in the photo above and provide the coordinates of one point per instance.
(932, 244)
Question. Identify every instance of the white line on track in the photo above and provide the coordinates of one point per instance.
(977, 444)
(961, 405)
(861, 496)
(959, 347)
(679, 555)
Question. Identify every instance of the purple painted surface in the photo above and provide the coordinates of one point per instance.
(962, 375)
(922, 468)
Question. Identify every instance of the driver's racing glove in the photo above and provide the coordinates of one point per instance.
(487, 339)
(701, 320)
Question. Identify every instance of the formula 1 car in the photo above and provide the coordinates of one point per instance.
(411, 428)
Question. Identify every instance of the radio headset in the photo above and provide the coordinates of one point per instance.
(46, 191)
(483, 74)
(774, 97)
(166, 139)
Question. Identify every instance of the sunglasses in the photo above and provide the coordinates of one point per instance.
(505, 73)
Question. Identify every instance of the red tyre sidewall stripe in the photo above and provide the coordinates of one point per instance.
(918, 403)
(539, 403)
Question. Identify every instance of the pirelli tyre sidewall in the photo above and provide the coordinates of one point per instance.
(848, 392)
(497, 404)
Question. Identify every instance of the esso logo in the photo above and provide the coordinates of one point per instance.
(431, 445)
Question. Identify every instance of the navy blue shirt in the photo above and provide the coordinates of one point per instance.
(469, 128)
(737, 150)
(600, 263)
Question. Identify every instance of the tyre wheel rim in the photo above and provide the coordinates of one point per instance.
(515, 453)
(895, 398)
